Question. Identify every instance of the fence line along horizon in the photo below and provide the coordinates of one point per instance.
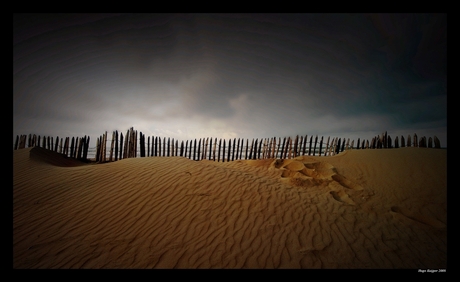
(134, 145)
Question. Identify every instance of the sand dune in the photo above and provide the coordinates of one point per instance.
(360, 209)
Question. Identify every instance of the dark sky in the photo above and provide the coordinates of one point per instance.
(190, 76)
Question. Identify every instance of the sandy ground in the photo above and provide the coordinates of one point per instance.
(360, 209)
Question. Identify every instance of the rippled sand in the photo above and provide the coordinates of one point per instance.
(381, 208)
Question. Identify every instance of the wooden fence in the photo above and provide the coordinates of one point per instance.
(133, 145)
(74, 148)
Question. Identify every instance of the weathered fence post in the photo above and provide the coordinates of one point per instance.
(320, 146)
(290, 147)
(185, 149)
(199, 146)
(218, 150)
(254, 150)
(125, 146)
(148, 146)
(116, 145)
(86, 148)
(168, 148)
(111, 146)
(214, 150)
(396, 142)
(282, 148)
(177, 147)
(337, 150)
(241, 149)
(71, 146)
(210, 148)
(121, 146)
(16, 143)
(437, 143)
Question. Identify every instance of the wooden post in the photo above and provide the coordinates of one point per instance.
(164, 146)
(251, 149)
(185, 149)
(148, 146)
(101, 148)
(247, 145)
(273, 148)
(233, 149)
(254, 150)
(223, 152)
(214, 150)
(55, 144)
(105, 146)
(129, 139)
(241, 149)
(389, 142)
(320, 146)
(210, 148)
(218, 150)
(437, 143)
(422, 142)
(304, 145)
(314, 147)
(295, 146)
(289, 149)
(116, 145)
(71, 146)
(16, 143)
(66, 145)
(415, 140)
(168, 148)
(237, 149)
(111, 146)
(333, 146)
(86, 148)
(125, 146)
(403, 142)
(409, 143)
(121, 146)
(282, 149)
(142, 143)
(177, 147)
(430, 142)
(396, 142)
(265, 151)
(80, 147)
(343, 145)
(60, 145)
(229, 149)
(98, 148)
(199, 146)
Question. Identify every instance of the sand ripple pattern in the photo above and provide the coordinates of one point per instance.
(173, 212)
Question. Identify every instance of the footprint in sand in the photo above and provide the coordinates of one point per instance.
(343, 197)
(407, 214)
(346, 183)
